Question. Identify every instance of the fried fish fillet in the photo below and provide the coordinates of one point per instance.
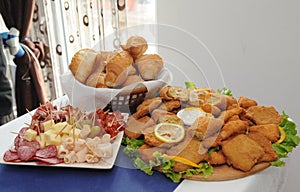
(270, 154)
(262, 115)
(233, 127)
(170, 105)
(209, 108)
(188, 150)
(245, 102)
(221, 101)
(162, 116)
(147, 106)
(174, 92)
(135, 126)
(242, 152)
(270, 131)
(226, 115)
(151, 139)
(206, 126)
(217, 158)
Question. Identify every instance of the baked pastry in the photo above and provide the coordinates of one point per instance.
(96, 79)
(136, 46)
(149, 66)
(82, 64)
(116, 69)
(132, 79)
(131, 70)
(101, 60)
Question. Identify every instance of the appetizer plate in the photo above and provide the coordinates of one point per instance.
(8, 133)
(8, 130)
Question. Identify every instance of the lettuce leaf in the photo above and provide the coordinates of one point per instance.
(290, 142)
(225, 91)
(142, 165)
(132, 146)
(189, 84)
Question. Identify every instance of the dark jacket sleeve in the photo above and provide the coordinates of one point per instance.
(5, 88)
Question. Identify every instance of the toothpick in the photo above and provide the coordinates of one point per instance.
(120, 126)
(28, 124)
(29, 112)
(61, 130)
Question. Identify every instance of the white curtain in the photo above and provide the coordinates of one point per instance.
(69, 25)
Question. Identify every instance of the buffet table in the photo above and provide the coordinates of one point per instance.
(121, 177)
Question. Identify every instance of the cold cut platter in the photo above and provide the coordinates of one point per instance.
(50, 136)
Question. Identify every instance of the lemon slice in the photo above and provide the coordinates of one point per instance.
(169, 133)
(184, 161)
(189, 115)
(282, 135)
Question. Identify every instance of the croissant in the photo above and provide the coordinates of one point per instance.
(96, 79)
(149, 65)
(117, 68)
(136, 46)
(100, 62)
(82, 64)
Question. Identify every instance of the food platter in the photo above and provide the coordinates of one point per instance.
(8, 134)
(104, 163)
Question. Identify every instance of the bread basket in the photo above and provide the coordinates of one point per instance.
(127, 101)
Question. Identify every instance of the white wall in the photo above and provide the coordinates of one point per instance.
(256, 44)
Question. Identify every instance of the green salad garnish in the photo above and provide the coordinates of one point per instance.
(289, 143)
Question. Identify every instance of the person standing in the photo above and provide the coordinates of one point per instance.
(6, 100)
(9, 39)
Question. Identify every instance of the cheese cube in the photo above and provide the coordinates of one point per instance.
(48, 125)
(51, 138)
(30, 135)
(62, 128)
(41, 139)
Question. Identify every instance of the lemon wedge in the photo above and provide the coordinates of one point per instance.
(190, 114)
(282, 135)
(184, 161)
(169, 133)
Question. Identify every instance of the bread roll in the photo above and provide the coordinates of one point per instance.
(96, 79)
(82, 64)
(100, 62)
(117, 69)
(149, 66)
(136, 46)
(132, 79)
(131, 70)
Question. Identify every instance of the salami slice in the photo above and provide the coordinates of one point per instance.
(23, 130)
(17, 141)
(48, 161)
(25, 152)
(47, 152)
(24, 142)
(10, 156)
